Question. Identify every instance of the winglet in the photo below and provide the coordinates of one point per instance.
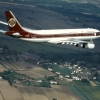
(13, 24)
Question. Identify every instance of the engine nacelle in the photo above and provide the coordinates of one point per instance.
(90, 46)
(16, 34)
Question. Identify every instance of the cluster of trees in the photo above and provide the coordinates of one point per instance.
(72, 57)
(5, 75)
(7, 54)
(85, 81)
(45, 84)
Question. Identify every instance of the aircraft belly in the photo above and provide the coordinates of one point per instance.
(58, 39)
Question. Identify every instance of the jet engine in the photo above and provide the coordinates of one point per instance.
(16, 34)
(89, 46)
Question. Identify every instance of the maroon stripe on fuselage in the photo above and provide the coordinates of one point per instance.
(30, 35)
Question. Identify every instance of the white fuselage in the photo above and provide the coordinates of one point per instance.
(81, 34)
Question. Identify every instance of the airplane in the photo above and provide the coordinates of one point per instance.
(82, 37)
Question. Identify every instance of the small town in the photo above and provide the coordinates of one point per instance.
(64, 73)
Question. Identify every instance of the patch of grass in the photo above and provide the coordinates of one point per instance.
(78, 93)
(92, 93)
(80, 83)
(63, 71)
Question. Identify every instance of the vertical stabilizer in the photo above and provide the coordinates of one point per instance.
(13, 24)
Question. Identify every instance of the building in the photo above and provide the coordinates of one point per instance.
(68, 79)
(39, 81)
(61, 76)
(50, 69)
(75, 78)
(58, 73)
(70, 67)
(17, 81)
(53, 82)
(67, 76)
(94, 78)
(0, 77)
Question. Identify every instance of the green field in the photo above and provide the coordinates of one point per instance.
(78, 93)
(90, 92)
(80, 83)
(63, 71)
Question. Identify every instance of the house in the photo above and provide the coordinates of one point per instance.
(53, 82)
(94, 78)
(54, 63)
(75, 78)
(74, 66)
(58, 73)
(79, 67)
(67, 76)
(79, 70)
(70, 67)
(0, 77)
(50, 69)
(68, 79)
(17, 81)
(61, 76)
(39, 81)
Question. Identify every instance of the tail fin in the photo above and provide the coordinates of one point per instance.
(13, 24)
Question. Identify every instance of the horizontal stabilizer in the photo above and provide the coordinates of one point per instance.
(3, 23)
(2, 31)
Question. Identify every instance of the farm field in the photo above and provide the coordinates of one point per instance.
(61, 70)
(16, 65)
(24, 65)
(26, 68)
(91, 92)
(37, 93)
(7, 92)
(2, 68)
(78, 93)
(1, 98)
(9, 65)
(37, 72)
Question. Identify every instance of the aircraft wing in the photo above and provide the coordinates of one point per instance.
(68, 41)
(1, 22)
(78, 43)
(3, 31)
